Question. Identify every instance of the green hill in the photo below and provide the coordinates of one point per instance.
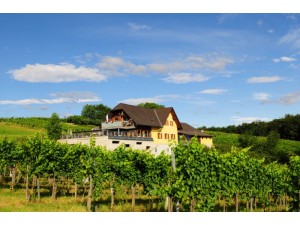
(223, 142)
(22, 127)
(14, 130)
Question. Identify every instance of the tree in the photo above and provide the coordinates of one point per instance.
(54, 128)
(95, 112)
(150, 105)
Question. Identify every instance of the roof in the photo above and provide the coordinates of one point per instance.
(147, 117)
(189, 130)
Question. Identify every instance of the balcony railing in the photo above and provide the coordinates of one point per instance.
(118, 124)
(130, 138)
(85, 134)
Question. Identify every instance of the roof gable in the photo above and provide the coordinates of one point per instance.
(147, 117)
(189, 130)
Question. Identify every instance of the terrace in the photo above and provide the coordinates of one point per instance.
(118, 124)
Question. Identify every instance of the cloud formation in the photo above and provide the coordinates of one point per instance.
(292, 38)
(284, 59)
(250, 119)
(264, 79)
(290, 98)
(182, 78)
(155, 99)
(138, 27)
(216, 91)
(184, 70)
(58, 98)
(262, 97)
(56, 73)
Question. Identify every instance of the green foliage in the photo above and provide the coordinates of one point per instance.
(295, 178)
(195, 176)
(95, 112)
(246, 140)
(287, 128)
(200, 175)
(150, 105)
(54, 128)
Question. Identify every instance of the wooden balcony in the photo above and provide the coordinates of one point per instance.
(130, 138)
(117, 124)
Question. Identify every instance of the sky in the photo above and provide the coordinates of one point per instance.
(213, 69)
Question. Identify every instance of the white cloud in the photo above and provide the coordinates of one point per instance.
(260, 23)
(138, 27)
(117, 66)
(250, 119)
(213, 62)
(284, 59)
(263, 79)
(262, 97)
(56, 73)
(155, 99)
(290, 98)
(214, 91)
(182, 78)
(292, 37)
(183, 70)
(68, 97)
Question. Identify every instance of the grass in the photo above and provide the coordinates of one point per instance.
(14, 201)
(12, 130)
(18, 131)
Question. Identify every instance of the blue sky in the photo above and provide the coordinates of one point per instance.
(214, 69)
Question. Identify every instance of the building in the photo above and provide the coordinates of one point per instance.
(140, 128)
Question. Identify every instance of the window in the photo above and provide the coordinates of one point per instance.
(159, 135)
(173, 136)
(115, 142)
(166, 136)
(171, 123)
(139, 143)
(147, 147)
(127, 145)
(167, 123)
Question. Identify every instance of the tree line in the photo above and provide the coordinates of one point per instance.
(194, 178)
(287, 128)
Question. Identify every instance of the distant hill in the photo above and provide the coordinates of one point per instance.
(287, 127)
(224, 142)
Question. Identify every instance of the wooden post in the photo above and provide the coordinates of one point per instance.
(76, 188)
(89, 197)
(133, 197)
(13, 178)
(38, 187)
(237, 202)
(112, 202)
(27, 184)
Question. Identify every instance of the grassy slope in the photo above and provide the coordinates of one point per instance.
(12, 130)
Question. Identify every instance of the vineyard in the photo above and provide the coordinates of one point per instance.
(30, 126)
(192, 179)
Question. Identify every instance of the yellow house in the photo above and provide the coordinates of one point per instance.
(158, 125)
(140, 128)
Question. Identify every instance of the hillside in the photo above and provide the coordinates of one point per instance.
(223, 142)
(14, 130)
(22, 127)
